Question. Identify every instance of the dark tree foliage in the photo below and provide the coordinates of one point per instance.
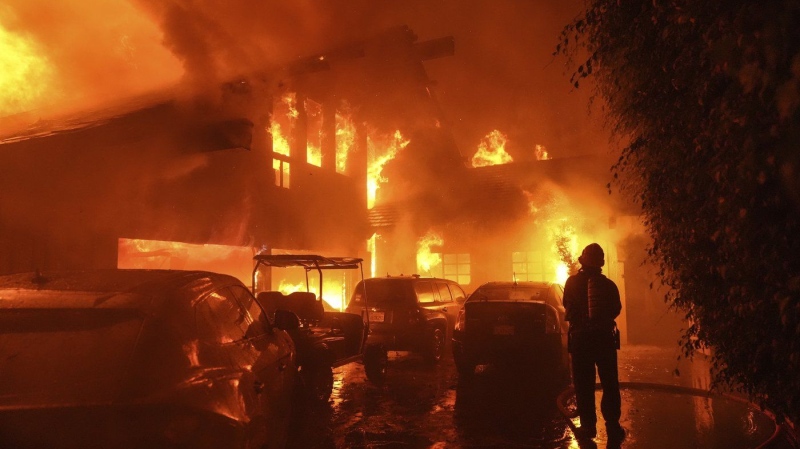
(704, 95)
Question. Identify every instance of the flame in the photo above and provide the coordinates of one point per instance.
(345, 138)
(492, 150)
(26, 77)
(333, 290)
(565, 245)
(284, 115)
(157, 254)
(388, 151)
(314, 132)
(427, 260)
(280, 144)
(289, 100)
(372, 249)
(541, 153)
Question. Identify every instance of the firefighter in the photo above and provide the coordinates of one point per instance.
(592, 304)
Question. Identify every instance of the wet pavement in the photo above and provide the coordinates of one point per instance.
(422, 406)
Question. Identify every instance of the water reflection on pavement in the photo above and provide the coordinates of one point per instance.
(422, 406)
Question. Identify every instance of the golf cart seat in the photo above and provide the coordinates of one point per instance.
(272, 301)
(303, 304)
(306, 306)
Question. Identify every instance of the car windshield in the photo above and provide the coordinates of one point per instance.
(385, 291)
(509, 293)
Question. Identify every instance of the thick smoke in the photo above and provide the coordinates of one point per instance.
(502, 75)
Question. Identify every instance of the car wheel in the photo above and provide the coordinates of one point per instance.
(376, 362)
(436, 346)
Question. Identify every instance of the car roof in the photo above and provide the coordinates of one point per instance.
(110, 287)
(509, 284)
(412, 277)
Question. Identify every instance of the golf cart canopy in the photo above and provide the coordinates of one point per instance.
(308, 261)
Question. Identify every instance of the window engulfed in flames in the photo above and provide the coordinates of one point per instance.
(314, 132)
(429, 263)
(345, 137)
(381, 149)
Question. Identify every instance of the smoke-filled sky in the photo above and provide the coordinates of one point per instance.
(76, 54)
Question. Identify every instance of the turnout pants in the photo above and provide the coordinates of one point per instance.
(589, 350)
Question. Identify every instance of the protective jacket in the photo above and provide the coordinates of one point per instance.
(591, 301)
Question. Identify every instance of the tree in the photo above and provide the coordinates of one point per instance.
(704, 96)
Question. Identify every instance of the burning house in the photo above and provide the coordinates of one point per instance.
(504, 220)
(345, 152)
(274, 160)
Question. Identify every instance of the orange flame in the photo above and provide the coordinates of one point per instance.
(333, 290)
(280, 143)
(282, 123)
(314, 131)
(372, 249)
(345, 139)
(428, 261)
(565, 245)
(492, 150)
(541, 153)
(388, 151)
(26, 77)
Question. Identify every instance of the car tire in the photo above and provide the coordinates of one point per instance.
(376, 362)
(436, 346)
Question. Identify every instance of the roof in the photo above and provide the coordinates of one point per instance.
(32, 125)
(308, 261)
(107, 288)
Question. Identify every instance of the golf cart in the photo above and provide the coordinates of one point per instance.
(324, 339)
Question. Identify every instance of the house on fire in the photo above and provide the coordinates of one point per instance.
(524, 221)
(202, 179)
(342, 153)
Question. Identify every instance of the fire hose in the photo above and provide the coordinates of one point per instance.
(561, 402)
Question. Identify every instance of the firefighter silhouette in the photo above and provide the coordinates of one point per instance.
(592, 304)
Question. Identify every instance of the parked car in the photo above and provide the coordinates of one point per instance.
(409, 313)
(140, 358)
(519, 324)
(324, 338)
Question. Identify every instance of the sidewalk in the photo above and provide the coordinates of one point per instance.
(666, 404)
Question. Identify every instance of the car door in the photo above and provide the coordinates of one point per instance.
(270, 354)
(244, 380)
(446, 304)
